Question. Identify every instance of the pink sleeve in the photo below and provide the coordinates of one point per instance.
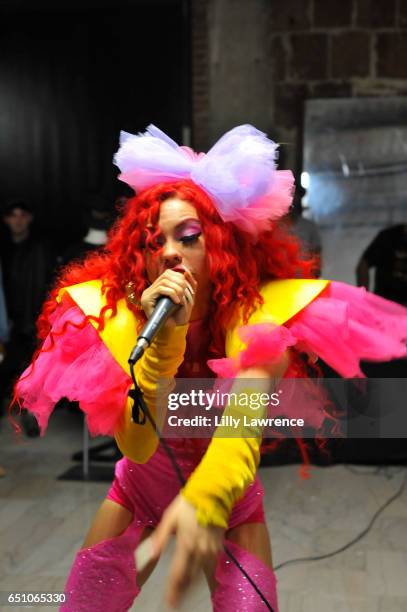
(78, 366)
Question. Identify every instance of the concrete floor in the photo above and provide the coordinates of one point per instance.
(43, 522)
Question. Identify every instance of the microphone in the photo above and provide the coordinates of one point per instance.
(163, 309)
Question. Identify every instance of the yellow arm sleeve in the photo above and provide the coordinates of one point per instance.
(161, 360)
(229, 464)
(221, 478)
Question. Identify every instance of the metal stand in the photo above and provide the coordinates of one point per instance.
(88, 472)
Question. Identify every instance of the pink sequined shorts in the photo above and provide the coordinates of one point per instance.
(147, 489)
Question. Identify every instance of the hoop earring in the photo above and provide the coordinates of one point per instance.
(131, 295)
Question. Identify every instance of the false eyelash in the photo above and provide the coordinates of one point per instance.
(191, 238)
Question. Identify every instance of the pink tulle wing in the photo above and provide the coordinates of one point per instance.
(74, 363)
(347, 324)
(342, 326)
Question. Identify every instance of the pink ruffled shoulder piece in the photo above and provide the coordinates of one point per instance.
(347, 324)
(79, 367)
(265, 344)
(342, 326)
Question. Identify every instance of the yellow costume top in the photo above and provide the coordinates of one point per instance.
(229, 464)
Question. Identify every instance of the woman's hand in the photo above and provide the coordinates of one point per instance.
(179, 286)
(195, 546)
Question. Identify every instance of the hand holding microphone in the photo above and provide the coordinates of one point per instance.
(179, 285)
(168, 301)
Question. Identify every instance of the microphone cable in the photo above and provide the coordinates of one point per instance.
(139, 405)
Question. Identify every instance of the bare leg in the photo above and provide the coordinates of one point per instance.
(110, 521)
(255, 538)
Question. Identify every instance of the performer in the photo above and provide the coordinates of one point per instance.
(203, 231)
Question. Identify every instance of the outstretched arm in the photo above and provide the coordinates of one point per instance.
(199, 515)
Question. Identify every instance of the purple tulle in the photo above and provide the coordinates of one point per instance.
(239, 172)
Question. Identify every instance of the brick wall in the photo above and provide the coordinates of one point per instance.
(333, 48)
(312, 49)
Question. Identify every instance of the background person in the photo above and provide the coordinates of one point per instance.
(28, 265)
(98, 220)
(387, 254)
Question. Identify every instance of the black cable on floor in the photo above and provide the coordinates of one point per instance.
(356, 539)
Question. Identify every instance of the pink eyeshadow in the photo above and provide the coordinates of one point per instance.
(189, 228)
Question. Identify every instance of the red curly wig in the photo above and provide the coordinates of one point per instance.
(236, 264)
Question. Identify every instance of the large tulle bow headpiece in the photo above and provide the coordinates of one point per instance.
(239, 172)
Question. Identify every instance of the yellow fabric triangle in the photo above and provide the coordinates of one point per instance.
(120, 332)
(282, 300)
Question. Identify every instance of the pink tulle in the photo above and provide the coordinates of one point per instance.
(347, 324)
(265, 344)
(79, 367)
(280, 193)
(239, 172)
(342, 326)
